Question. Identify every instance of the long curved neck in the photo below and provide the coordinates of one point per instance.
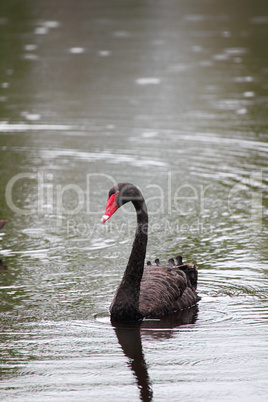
(135, 266)
(125, 306)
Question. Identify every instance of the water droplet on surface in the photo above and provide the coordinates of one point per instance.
(148, 81)
(30, 47)
(249, 94)
(121, 34)
(30, 56)
(104, 53)
(77, 50)
(51, 24)
(241, 111)
(41, 31)
(244, 79)
(226, 34)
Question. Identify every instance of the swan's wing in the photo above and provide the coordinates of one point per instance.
(165, 289)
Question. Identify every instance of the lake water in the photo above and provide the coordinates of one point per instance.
(172, 96)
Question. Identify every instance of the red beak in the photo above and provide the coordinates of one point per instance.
(111, 207)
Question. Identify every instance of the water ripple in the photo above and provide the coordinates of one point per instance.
(107, 156)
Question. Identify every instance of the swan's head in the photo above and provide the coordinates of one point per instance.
(119, 195)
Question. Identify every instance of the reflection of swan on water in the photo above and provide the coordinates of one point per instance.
(129, 337)
(167, 326)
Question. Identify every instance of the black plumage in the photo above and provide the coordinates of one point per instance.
(152, 290)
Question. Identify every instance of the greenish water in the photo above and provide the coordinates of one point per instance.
(169, 95)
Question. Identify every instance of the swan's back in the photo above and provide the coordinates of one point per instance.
(166, 289)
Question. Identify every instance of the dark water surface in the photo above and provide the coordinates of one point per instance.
(172, 96)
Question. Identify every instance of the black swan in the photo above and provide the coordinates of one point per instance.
(150, 291)
(2, 223)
